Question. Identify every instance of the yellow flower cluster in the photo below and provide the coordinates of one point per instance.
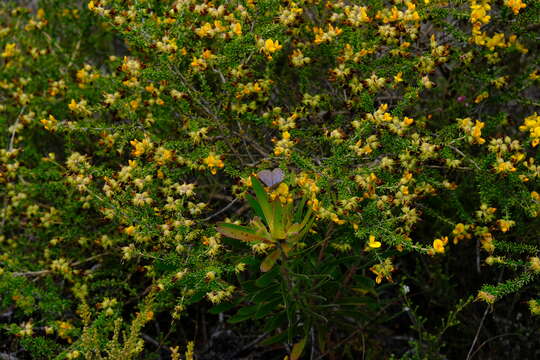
(284, 145)
(212, 161)
(532, 125)
(321, 36)
(86, 75)
(461, 232)
(282, 193)
(50, 123)
(269, 47)
(439, 244)
(473, 130)
(141, 147)
(383, 270)
(202, 62)
(10, 49)
(515, 5)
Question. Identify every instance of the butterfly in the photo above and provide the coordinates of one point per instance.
(271, 177)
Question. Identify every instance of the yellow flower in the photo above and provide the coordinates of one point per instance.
(9, 50)
(271, 46)
(237, 29)
(487, 297)
(515, 5)
(481, 97)
(383, 270)
(72, 105)
(534, 264)
(505, 225)
(372, 243)
(213, 162)
(407, 121)
(438, 246)
(130, 230)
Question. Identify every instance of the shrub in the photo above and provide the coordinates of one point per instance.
(406, 131)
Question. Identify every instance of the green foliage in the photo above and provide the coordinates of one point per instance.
(132, 136)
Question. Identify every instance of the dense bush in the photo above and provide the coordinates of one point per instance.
(405, 225)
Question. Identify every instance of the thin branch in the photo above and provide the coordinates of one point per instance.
(469, 355)
(45, 272)
(222, 210)
(464, 156)
(10, 148)
(250, 345)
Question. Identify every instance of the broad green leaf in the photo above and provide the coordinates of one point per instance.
(294, 229)
(287, 214)
(298, 348)
(278, 320)
(260, 228)
(239, 232)
(243, 314)
(266, 279)
(274, 339)
(269, 293)
(267, 308)
(256, 207)
(268, 263)
(262, 200)
(278, 231)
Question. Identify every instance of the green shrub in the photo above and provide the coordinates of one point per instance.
(407, 132)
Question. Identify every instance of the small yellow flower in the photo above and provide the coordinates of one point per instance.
(534, 264)
(438, 246)
(272, 46)
(9, 50)
(487, 297)
(505, 225)
(515, 5)
(372, 243)
(237, 29)
(130, 230)
(213, 162)
(383, 270)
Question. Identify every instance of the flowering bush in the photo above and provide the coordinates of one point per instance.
(407, 132)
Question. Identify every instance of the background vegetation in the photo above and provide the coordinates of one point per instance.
(133, 225)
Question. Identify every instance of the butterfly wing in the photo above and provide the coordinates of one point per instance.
(271, 178)
(277, 176)
(265, 176)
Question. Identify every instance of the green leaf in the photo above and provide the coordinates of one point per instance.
(255, 206)
(219, 308)
(298, 348)
(267, 294)
(299, 209)
(267, 308)
(276, 321)
(243, 314)
(266, 279)
(306, 226)
(262, 200)
(294, 229)
(278, 231)
(239, 232)
(274, 339)
(268, 263)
